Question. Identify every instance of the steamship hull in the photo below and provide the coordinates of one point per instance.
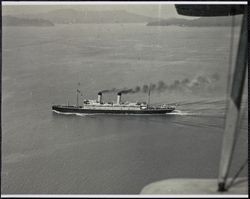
(80, 110)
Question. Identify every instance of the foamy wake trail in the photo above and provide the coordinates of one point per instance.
(81, 114)
(78, 114)
(179, 112)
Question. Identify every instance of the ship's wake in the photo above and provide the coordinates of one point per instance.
(77, 114)
(179, 112)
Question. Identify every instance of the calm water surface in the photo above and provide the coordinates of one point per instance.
(44, 152)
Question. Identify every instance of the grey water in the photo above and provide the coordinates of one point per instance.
(48, 153)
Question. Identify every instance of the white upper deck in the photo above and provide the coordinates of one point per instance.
(94, 104)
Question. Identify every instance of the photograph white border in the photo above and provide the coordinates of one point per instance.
(121, 3)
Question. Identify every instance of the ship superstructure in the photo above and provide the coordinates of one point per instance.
(117, 107)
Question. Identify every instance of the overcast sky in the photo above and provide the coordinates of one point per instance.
(162, 11)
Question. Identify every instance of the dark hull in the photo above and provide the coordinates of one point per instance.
(72, 109)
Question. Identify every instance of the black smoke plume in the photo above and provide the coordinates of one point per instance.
(113, 90)
(199, 83)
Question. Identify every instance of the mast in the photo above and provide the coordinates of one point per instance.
(77, 95)
(232, 117)
(149, 94)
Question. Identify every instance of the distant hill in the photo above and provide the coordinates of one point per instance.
(200, 22)
(67, 16)
(16, 21)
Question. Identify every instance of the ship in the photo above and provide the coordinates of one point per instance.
(98, 106)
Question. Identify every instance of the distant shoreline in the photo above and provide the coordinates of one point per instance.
(200, 22)
(72, 16)
(58, 18)
(24, 22)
